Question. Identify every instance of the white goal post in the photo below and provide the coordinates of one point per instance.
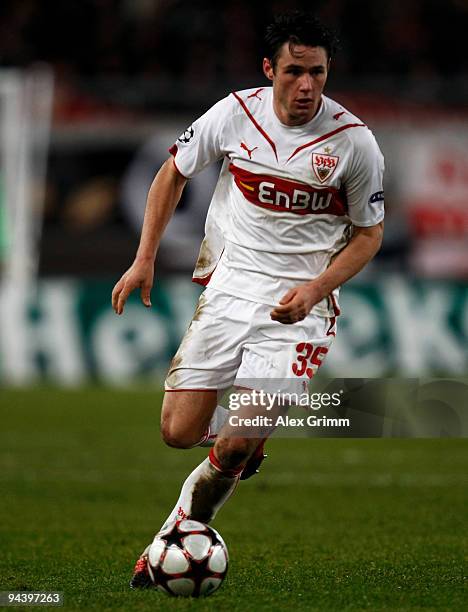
(25, 120)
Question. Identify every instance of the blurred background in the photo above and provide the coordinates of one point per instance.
(94, 92)
(92, 95)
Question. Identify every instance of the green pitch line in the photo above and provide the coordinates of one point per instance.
(327, 525)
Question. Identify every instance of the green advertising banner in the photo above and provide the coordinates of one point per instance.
(66, 332)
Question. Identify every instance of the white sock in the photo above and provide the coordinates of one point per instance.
(220, 416)
(204, 492)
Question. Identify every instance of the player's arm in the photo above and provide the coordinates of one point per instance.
(163, 197)
(299, 301)
(365, 198)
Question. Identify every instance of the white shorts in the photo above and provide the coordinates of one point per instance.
(231, 341)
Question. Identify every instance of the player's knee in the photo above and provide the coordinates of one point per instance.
(178, 437)
(232, 452)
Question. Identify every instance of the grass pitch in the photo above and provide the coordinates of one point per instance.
(328, 525)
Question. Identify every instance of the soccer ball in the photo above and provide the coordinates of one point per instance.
(188, 559)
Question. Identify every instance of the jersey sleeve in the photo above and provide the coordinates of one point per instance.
(201, 143)
(364, 185)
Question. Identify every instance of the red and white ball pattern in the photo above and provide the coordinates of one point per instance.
(188, 559)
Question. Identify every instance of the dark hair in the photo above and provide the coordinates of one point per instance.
(298, 28)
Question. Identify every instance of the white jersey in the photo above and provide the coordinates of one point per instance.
(286, 197)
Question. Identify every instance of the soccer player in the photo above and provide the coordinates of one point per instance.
(297, 211)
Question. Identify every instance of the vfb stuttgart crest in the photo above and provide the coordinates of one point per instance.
(324, 165)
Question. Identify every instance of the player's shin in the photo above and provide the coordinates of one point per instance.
(204, 492)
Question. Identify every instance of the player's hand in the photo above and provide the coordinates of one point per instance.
(139, 275)
(296, 304)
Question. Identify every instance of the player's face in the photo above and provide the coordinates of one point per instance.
(298, 79)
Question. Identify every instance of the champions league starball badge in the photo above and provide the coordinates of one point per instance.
(187, 135)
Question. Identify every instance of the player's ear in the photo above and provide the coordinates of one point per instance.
(268, 68)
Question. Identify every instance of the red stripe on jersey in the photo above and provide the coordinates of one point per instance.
(202, 280)
(173, 151)
(325, 136)
(282, 195)
(259, 128)
(332, 325)
(183, 390)
(336, 310)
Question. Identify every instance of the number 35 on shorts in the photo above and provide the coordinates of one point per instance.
(308, 359)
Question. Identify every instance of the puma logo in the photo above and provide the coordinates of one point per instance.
(338, 115)
(255, 93)
(246, 148)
